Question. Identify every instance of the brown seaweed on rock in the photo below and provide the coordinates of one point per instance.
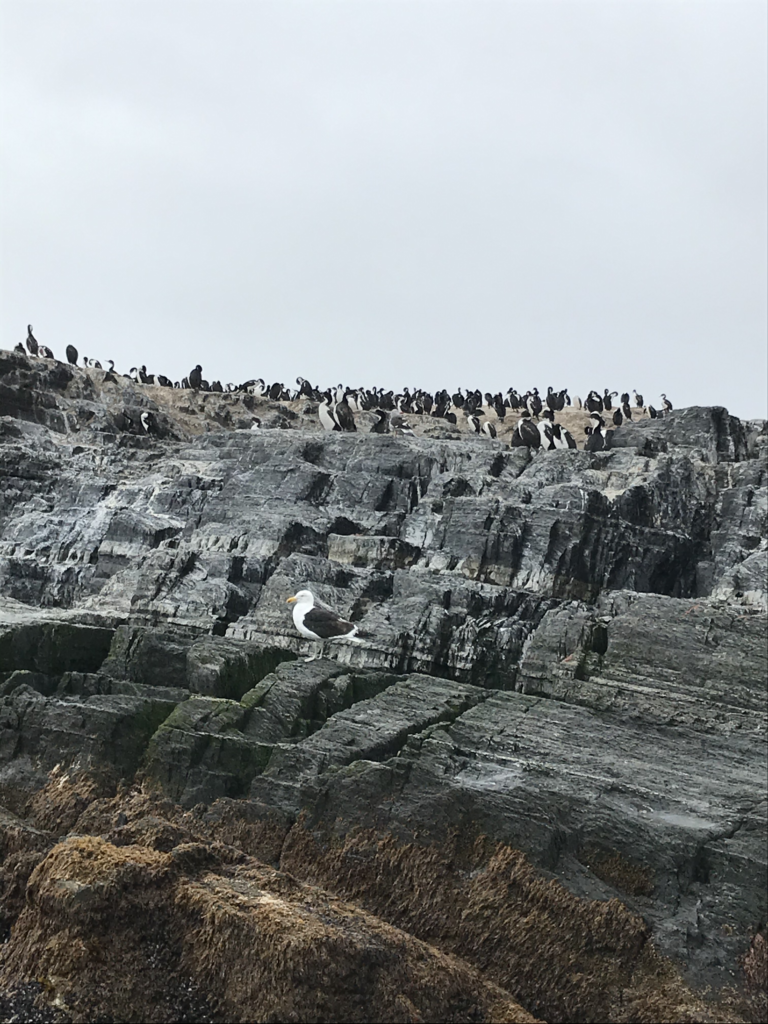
(129, 933)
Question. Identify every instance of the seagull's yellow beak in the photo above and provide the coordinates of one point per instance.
(290, 600)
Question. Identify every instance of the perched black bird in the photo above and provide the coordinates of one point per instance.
(526, 434)
(72, 354)
(562, 438)
(595, 440)
(344, 416)
(31, 341)
(196, 377)
(381, 426)
(594, 402)
(533, 403)
(666, 404)
(618, 419)
(327, 414)
(45, 352)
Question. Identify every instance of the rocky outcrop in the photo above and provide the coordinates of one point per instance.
(564, 686)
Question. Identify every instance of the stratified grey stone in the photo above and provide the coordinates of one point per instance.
(51, 648)
(200, 753)
(229, 668)
(95, 731)
(565, 650)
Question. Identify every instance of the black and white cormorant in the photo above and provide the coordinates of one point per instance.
(534, 403)
(343, 416)
(562, 438)
(665, 403)
(526, 434)
(594, 402)
(596, 439)
(31, 341)
(327, 419)
(381, 426)
(545, 431)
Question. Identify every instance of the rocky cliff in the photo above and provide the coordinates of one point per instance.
(537, 790)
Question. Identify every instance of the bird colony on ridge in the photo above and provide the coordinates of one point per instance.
(535, 428)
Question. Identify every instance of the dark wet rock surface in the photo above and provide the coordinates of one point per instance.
(567, 657)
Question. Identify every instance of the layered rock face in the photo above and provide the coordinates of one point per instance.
(545, 764)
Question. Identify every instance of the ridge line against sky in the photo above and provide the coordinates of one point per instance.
(422, 194)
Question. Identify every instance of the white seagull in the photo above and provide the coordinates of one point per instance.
(319, 622)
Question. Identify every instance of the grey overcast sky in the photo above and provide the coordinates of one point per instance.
(394, 192)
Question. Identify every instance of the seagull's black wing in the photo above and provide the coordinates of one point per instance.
(327, 624)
